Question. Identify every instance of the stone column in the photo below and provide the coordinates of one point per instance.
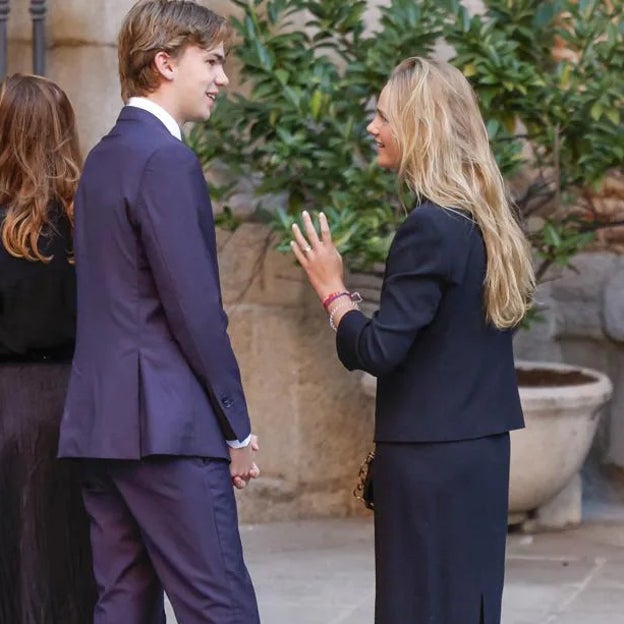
(38, 12)
(4, 16)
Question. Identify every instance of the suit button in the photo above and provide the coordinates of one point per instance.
(226, 402)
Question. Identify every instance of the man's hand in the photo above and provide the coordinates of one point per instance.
(243, 467)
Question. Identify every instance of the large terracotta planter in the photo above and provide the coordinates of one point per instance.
(546, 456)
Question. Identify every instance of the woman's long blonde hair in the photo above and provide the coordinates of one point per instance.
(40, 160)
(445, 156)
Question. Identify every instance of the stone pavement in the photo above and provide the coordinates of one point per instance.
(321, 572)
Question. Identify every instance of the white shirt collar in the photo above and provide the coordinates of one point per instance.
(158, 111)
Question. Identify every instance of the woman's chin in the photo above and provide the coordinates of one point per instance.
(385, 163)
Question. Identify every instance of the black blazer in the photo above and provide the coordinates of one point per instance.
(443, 372)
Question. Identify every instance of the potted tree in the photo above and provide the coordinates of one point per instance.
(549, 78)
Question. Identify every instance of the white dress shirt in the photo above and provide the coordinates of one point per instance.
(172, 125)
(158, 111)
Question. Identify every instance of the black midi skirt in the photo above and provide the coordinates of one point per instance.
(45, 561)
(440, 531)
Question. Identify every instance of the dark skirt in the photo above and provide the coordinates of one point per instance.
(45, 560)
(440, 531)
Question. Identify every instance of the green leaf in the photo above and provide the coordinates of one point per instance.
(551, 235)
(469, 70)
(315, 104)
(613, 115)
(596, 111)
(282, 76)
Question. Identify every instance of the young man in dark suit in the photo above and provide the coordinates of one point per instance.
(155, 407)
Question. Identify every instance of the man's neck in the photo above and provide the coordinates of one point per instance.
(158, 110)
(163, 101)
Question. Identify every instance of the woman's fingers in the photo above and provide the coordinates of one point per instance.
(303, 249)
(310, 230)
(301, 239)
(325, 231)
(301, 257)
(320, 260)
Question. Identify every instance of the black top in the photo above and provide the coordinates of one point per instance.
(38, 300)
(444, 373)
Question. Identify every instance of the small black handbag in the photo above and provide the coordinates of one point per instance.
(364, 488)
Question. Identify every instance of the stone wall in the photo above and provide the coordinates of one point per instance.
(82, 55)
(314, 423)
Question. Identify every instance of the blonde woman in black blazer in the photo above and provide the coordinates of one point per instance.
(458, 279)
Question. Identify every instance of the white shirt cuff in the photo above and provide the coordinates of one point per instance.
(235, 444)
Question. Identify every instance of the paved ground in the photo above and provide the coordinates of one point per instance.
(321, 572)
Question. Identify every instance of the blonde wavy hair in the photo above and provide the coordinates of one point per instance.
(40, 161)
(445, 157)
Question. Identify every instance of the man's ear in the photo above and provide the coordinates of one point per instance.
(165, 65)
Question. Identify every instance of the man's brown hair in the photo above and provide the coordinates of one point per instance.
(170, 26)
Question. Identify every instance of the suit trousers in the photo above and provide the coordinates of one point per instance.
(166, 523)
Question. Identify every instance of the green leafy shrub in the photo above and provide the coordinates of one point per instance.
(565, 113)
(310, 69)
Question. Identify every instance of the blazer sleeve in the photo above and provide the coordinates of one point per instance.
(418, 270)
(176, 226)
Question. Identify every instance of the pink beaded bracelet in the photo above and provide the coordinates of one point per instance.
(333, 296)
(353, 297)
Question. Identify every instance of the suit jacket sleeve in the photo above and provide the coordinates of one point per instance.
(176, 226)
(418, 269)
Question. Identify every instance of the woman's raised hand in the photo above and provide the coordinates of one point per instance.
(318, 257)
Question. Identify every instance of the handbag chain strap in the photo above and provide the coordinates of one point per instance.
(359, 487)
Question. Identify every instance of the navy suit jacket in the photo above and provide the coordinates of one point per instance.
(443, 372)
(153, 370)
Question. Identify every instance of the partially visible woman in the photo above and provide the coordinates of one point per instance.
(458, 280)
(45, 562)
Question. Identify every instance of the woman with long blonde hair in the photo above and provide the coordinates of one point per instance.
(45, 567)
(458, 280)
